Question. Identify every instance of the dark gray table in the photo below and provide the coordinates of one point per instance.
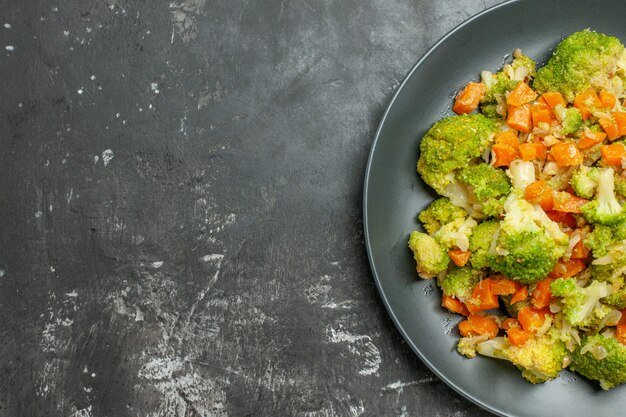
(180, 213)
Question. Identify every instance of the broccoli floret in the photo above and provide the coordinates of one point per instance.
(529, 243)
(480, 242)
(540, 359)
(617, 299)
(493, 103)
(581, 305)
(605, 209)
(459, 282)
(449, 146)
(439, 213)
(488, 185)
(585, 181)
(620, 185)
(599, 240)
(513, 308)
(456, 233)
(582, 60)
(570, 118)
(523, 67)
(610, 267)
(430, 256)
(601, 358)
(466, 346)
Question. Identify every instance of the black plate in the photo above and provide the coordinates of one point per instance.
(393, 196)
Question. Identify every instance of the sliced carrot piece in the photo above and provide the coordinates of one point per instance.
(620, 333)
(542, 295)
(607, 99)
(507, 137)
(622, 320)
(531, 318)
(503, 155)
(568, 202)
(553, 99)
(465, 328)
(469, 98)
(518, 337)
(586, 101)
(542, 150)
(528, 151)
(567, 269)
(580, 251)
(482, 297)
(610, 127)
(589, 138)
(509, 323)
(613, 154)
(519, 117)
(539, 192)
(620, 121)
(566, 154)
(541, 113)
(520, 295)
(483, 325)
(454, 305)
(521, 94)
(459, 257)
(504, 286)
(562, 217)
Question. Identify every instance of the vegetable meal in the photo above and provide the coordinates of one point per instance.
(528, 237)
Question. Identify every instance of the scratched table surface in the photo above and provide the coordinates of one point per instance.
(180, 208)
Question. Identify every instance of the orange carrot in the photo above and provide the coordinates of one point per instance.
(531, 318)
(542, 295)
(520, 295)
(507, 137)
(454, 305)
(541, 113)
(610, 127)
(519, 117)
(542, 150)
(521, 94)
(567, 202)
(589, 138)
(482, 297)
(553, 99)
(620, 121)
(620, 333)
(607, 99)
(562, 217)
(613, 154)
(503, 155)
(567, 269)
(622, 320)
(459, 257)
(480, 325)
(509, 323)
(566, 154)
(580, 251)
(518, 337)
(465, 328)
(504, 286)
(586, 101)
(539, 192)
(528, 151)
(469, 98)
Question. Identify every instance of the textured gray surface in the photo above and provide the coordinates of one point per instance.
(180, 225)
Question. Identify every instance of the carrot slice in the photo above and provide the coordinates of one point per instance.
(482, 297)
(553, 99)
(620, 333)
(459, 257)
(531, 318)
(454, 305)
(469, 98)
(541, 113)
(509, 323)
(610, 127)
(589, 138)
(528, 151)
(539, 192)
(586, 101)
(607, 99)
(503, 155)
(520, 295)
(483, 325)
(568, 202)
(521, 94)
(613, 154)
(622, 320)
(519, 117)
(561, 217)
(465, 328)
(620, 121)
(567, 269)
(507, 137)
(518, 337)
(566, 154)
(504, 286)
(542, 150)
(542, 295)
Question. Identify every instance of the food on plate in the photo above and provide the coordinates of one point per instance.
(528, 237)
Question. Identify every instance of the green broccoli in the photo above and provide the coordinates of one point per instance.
(459, 282)
(439, 213)
(605, 209)
(601, 358)
(430, 256)
(488, 185)
(480, 242)
(493, 103)
(540, 359)
(449, 146)
(582, 60)
(599, 240)
(610, 267)
(581, 305)
(617, 299)
(620, 185)
(571, 119)
(514, 308)
(456, 233)
(584, 181)
(466, 346)
(529, 243)
(523, 67)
